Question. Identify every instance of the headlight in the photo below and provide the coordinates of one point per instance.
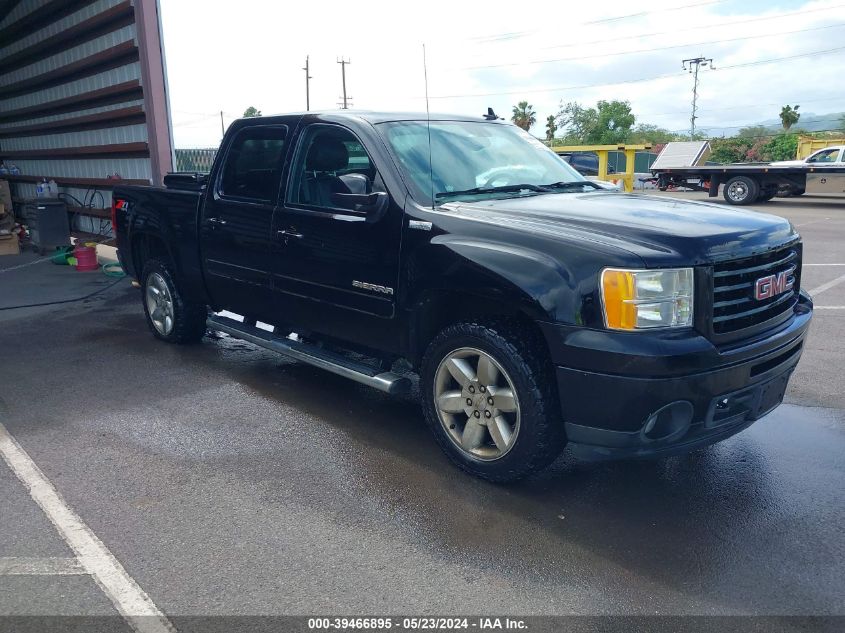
(643, 299)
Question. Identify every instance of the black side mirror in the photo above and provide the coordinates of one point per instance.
(373, 205)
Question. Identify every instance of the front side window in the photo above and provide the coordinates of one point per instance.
(254, 164)
(471, 159)
(825, 156)
(330, 160)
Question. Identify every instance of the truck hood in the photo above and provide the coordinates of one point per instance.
(661, 231)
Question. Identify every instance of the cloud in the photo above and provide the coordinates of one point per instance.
(227, 56)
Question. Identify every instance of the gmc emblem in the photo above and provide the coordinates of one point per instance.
(773, 285)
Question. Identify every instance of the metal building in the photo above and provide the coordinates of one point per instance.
(83, 99)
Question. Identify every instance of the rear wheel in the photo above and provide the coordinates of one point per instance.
(170, 316)
(741, 190)
(489, 398)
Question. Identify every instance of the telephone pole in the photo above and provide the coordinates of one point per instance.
(308, 79)
(343, 63)
(222, 127)
(692, 65)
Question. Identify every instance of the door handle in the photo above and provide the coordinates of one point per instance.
(291, 233)
(216, 221)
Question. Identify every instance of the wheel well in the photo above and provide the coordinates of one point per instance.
(146, 247)
(437, 311)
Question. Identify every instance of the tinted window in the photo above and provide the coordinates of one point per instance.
(254, 164)
(330, 160)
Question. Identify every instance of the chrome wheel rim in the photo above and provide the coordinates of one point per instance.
(159, 304)
(477, 404)
(737, 191)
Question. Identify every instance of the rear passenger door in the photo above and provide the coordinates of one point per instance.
(237, 220)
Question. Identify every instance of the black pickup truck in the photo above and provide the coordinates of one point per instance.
(536, 309)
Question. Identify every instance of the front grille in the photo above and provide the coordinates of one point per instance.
(734, 304)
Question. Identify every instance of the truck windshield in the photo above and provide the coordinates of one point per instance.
(472, 160)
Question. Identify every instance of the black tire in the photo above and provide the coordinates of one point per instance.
(540, 437)
(741, 190)
(767, 193)
(188, 318)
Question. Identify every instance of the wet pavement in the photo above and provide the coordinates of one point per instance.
(228, 481)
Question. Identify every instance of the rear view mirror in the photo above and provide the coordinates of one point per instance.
(373, 205)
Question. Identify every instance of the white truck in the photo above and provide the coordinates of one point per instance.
(823, 172)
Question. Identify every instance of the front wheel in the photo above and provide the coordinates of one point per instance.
(489, 398)
(170, 316)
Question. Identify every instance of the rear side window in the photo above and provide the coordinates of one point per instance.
(254, 164)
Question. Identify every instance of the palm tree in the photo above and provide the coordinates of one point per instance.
(551, 128)
(524, 115)
(789, 116)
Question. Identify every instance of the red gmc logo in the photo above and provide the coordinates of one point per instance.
(773, 285)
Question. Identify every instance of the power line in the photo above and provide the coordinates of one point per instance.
(651, 50)
(631, 81)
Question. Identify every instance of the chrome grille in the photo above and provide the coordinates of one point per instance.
(735, 306)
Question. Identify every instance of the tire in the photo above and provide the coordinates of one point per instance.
(528, 433)
(767, 194)
(178, 320)
(741, 190)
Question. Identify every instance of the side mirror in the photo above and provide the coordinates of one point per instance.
(373, 205)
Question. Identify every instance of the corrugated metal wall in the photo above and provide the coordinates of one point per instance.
(82, 99)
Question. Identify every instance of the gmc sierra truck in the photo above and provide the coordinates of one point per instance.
(536, 309)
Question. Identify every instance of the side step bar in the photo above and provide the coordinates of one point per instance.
(312, 355)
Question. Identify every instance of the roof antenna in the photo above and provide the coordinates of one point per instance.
(492, 116)
(428, 124)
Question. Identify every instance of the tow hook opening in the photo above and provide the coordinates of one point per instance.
(669, 422)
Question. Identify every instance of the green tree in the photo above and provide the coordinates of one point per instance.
(613, 124)
(551, 128)
(609, 123)
(781, 147)
(251, 111)
(842, 123)
(524, 115)
(652, 134)
(577, 122)
(789, 116)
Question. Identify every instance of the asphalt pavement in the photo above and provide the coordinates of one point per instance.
(223, 480)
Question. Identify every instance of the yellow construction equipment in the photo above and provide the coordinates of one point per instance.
(602, 151)
(808, 144)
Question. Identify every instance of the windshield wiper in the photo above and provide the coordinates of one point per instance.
(570, 185)
(501, 189)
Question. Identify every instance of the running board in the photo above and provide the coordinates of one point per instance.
(311, 354)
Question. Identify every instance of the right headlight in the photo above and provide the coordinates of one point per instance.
(647, 299)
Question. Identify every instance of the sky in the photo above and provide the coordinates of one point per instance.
(227, 56)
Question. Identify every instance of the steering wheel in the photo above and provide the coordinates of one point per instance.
(508, 175)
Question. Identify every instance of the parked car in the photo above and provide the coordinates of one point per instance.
(537, 309)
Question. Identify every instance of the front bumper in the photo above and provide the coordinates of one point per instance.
(656, 394)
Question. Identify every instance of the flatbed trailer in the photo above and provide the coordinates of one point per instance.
(745, 183)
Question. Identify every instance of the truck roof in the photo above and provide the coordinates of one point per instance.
(372, 116)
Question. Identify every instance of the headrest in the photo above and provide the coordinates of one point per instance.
(326, 154)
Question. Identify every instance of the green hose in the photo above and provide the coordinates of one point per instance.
(114, 270)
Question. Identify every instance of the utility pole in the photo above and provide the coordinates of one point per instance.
(222, 128)
(343, 63)
(308, 79)
(692, 65)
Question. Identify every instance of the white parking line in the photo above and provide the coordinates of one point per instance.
(127, 597)
(24, 566)
(827, 286)
(828, 307)
(811, 222)
(805, 265)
